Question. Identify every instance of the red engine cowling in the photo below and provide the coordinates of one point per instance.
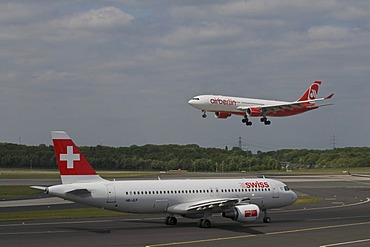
(243, 213)
(222, 114)
(254, 112)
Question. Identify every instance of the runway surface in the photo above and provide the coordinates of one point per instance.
(341, 218)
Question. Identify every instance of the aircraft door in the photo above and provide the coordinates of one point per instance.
(111, 194)
(275, 191)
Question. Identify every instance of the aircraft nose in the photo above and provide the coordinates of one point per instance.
(294, 197)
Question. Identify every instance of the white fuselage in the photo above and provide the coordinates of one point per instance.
(156, 196)
(220, 103)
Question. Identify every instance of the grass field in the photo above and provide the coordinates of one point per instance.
(54, 174)
(17, 192)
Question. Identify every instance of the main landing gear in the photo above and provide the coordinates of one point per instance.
(204, 223)
(246, 121)
(170, 220)
(265, 121)
(266, 219)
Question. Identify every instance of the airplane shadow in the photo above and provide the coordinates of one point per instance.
(151, 224)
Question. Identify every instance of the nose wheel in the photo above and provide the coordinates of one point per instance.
(204, 114)
(266, 219)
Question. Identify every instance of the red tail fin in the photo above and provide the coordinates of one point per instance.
(73, 166)
(311, 92)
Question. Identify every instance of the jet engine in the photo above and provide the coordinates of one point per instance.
(222, 114)
(254, 112)
(243, 213)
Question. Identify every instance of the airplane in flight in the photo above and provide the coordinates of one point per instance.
(225, 106)
(241, 200)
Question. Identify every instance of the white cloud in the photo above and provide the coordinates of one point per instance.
(196, 35)
(106, 17)
(329, 33)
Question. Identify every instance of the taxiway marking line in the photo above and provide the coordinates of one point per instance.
(255, 235)
(345, 243)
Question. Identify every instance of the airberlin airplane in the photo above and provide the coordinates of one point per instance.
(224, 106)
(241, 200)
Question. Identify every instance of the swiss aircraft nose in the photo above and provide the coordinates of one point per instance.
(294, 197)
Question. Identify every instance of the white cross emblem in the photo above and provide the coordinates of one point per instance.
(70, 157)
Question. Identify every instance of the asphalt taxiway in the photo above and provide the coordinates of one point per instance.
(341, 218)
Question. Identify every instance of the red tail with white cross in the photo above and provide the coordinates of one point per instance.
(73, 166)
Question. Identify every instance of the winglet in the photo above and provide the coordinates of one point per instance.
(329, 96)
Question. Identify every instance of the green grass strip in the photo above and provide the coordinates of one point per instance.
(307, 200)
(17, 192)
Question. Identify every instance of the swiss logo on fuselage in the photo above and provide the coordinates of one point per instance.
(255, 185)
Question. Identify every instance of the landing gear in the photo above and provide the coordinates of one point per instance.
(266, 219)
(246, 121)
(170, 220)
(204, 223)
(265, 121)
(204, 115)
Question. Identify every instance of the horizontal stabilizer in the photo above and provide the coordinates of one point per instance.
(39, 188)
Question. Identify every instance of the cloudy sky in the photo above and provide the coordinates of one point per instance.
(121, 72)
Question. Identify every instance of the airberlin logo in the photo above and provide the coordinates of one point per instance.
(313, 91)
(257, 185)
(218, 101)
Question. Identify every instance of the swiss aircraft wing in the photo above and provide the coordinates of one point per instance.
(207, 204)
(266, 109)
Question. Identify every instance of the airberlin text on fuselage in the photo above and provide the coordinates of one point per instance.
(222, 101)
(257, 185)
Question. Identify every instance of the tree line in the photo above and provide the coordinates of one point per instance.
(186, 157)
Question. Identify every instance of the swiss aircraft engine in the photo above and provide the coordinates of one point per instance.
(222, 114)
(254, 112)
(243, 213)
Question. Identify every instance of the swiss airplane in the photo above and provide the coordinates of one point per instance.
(225, 106)
(241, 200)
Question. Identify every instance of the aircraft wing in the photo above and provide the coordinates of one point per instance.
(266, 109)
(207, 204)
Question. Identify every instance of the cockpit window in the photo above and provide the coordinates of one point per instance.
(286, 188)
(195, 98)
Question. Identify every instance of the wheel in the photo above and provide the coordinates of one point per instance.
(248, 123)
(166, 220)
(244, 120)
(206, 224)
(263, 119)
(267, 219)
(267, 122)
(172, 221)
(204, 115)
(200, 223)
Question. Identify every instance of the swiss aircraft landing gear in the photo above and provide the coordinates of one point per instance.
(266, 219)
(265, 121)
(170, 220)
(246, 121)
(204, 114)
(204, 223)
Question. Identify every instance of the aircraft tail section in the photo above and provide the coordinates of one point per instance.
(73, 166)
(312, 92)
